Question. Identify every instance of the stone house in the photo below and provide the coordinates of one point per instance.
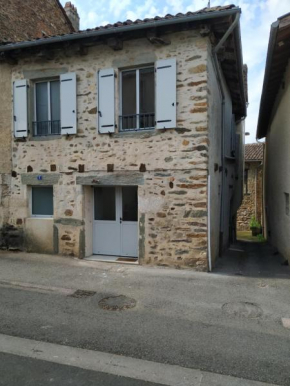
(252, 205)
(273, 125)
(127, 140)
(21, 21)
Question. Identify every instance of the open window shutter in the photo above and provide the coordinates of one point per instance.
(68, 103)
(106, 101)
(20, 108)
(166, 94)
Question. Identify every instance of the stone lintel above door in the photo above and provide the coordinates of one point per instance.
(112, 179)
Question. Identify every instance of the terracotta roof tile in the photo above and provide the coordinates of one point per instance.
(254, 152)
(130, 22)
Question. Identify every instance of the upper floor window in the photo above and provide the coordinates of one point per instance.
(147, 97)
(47, 108)
(137, 99)
(55, 106)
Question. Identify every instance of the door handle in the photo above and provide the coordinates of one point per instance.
(121, 220)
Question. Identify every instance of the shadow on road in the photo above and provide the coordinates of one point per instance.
(246, 258)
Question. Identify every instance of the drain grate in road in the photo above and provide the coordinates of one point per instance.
(243, 309)
(117, 303)
(82, 294)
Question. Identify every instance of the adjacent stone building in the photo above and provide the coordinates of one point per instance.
(273, 125)
(252, 205)
(21, 21)
(127, 140)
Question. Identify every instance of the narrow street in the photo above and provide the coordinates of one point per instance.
(231, 322)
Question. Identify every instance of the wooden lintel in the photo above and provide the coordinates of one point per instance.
(115, 43)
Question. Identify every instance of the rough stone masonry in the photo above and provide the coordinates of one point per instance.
(169, 166)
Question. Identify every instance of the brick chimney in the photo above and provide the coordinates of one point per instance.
(73, 15)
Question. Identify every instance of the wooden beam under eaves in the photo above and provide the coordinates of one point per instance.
(115, 43)
(10, 59)
(157, 40)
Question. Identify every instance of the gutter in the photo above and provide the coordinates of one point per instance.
(117, 30)
(261, 130)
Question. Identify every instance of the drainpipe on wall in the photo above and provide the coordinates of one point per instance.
(219, 79)
(208, 224)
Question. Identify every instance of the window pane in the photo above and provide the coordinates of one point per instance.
(41, 102)
(147, 95)
(55, 100)
(147, 102)
(42, 200)
(130, 204)
(129, 100)
(105, 204)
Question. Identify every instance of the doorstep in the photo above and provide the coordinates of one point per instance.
(113, 259)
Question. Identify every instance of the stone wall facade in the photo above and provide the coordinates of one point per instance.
(252, 205)
(172, 199)
(170, 167)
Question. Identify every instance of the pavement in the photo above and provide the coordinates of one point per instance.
(128, 324)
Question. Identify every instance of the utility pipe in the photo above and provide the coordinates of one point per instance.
(209, 224)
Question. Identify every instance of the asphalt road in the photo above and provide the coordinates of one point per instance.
(16, 371)
(180, 317)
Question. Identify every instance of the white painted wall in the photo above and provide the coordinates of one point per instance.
(277, 171)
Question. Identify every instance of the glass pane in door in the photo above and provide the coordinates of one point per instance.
(105, 203)
(129, 203)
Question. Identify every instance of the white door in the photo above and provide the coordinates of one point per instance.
(115, 221)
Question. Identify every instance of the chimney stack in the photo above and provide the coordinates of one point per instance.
(73, 15)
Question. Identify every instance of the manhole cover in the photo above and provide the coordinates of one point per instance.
(243, 309)
(82, 294)
(117, 303)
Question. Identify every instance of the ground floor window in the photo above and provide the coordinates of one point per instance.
(42, 201)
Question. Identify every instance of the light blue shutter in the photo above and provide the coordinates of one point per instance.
(106, 98)
(20, 115)
(68, 103)
(166, 94)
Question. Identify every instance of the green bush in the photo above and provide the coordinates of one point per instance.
(254, 223)
(261, 238)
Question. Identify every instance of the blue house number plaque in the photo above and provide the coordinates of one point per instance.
(39, 178)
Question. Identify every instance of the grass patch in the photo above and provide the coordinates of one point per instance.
(247, 236)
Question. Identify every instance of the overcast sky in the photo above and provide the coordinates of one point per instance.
(257, 16)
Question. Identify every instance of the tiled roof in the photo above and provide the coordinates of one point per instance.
(254, 152)
(126, 23)
(30, 19)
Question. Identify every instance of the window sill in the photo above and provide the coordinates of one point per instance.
(36, 217)
(137, 133)
(45, 138)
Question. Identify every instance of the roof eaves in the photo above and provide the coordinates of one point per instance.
(115, 29)
(261, 129)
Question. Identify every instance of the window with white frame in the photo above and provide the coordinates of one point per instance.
(47, 108)
(42, 201)
(137, 99)
(55, 106)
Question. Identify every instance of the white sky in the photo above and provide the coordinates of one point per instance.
(257, 17)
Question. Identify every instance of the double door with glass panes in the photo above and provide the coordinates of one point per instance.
(115, 221)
